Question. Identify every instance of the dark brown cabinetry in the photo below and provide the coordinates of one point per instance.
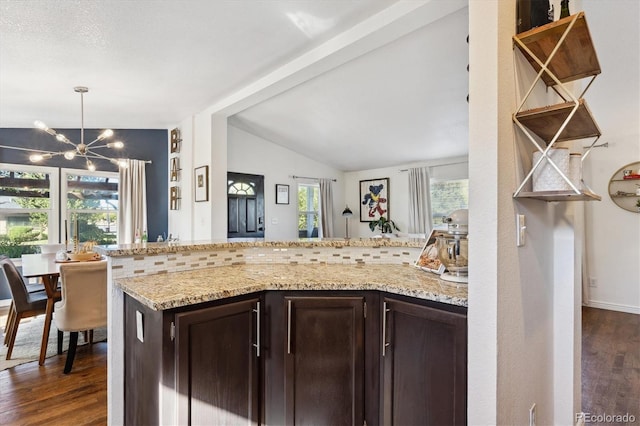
(198, 365)
(424, 363)
(217, 374)
(303, 357)
(324, 360)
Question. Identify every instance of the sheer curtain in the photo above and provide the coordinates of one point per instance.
(326, 208)
(419, 201)
(132, 197)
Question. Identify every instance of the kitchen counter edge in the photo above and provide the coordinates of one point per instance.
(123, 250)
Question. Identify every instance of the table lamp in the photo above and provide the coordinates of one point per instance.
(347, 213)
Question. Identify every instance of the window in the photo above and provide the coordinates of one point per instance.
(308, 210)
(447, 196)
(28, 208)
(91, 199)
(241, 188)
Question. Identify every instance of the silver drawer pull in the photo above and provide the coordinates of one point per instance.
(288, 326)
(384, 328)
(257, 344)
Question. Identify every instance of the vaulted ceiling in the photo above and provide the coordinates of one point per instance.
(151, 64)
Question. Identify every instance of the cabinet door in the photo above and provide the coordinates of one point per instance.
(217, 364)
(424, 365)
(324, 360)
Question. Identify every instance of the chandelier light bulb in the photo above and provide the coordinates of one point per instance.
(40, 125)
(120, 162)
(69, 155)
(106, 134)
(116, 145)
(61, 138)
(36, 158)
(90, 166)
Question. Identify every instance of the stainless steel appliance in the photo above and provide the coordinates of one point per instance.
(453, 248)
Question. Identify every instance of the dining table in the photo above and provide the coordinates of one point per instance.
(45, 267)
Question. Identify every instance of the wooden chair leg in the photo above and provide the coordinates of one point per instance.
(60, 338)
(85, 336)
(91, 337)
(12, 336)
(71, 353)
(10, 320)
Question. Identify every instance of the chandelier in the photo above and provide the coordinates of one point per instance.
(83, 150)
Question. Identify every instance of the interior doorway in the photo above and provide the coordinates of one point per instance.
(245, 205)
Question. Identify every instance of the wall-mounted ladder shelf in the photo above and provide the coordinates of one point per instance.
(560, 52)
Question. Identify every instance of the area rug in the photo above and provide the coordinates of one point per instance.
(29, 337)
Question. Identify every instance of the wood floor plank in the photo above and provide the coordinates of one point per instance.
(610, 363)
(43, 395)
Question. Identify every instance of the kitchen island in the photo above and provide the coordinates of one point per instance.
(172, 302)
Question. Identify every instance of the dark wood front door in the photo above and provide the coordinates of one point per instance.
(245, 205)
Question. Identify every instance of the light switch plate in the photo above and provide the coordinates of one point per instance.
(521, 228)
(139, 326)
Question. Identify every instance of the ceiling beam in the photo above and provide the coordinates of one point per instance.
(397, 20)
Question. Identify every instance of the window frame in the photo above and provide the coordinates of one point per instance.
(54, 196)
(441, 225)
(64, 210)
(308, 213)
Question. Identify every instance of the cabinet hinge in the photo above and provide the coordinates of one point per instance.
(172, 331)
(365, 315)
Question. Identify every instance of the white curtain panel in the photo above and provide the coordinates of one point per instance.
(419, 201)
(326, 208)
(132, 197)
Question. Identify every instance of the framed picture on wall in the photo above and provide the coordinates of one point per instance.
(282, 194)
(374, 199)
(201, 183)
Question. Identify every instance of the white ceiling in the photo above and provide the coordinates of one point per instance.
(151, 64)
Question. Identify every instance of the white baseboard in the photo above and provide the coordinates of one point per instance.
(613, 307)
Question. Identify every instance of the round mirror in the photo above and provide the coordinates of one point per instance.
(624, 187)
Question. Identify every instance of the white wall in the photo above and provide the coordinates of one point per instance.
(613, 234)
(398, 191)
(514, 293)
(248, 153)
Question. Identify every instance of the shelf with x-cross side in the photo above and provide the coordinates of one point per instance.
(560, 52)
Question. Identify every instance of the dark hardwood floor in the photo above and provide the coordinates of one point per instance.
(610, 363)
(33, 395)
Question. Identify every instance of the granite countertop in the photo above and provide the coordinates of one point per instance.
(188, 246)
(176, 289)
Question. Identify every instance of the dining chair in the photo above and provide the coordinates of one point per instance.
(31, 288)
(83, 305)
(24, 303)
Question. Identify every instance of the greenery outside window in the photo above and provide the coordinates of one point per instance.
(28, 208)
(447, 196)
(91, 199)
(308, 210)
